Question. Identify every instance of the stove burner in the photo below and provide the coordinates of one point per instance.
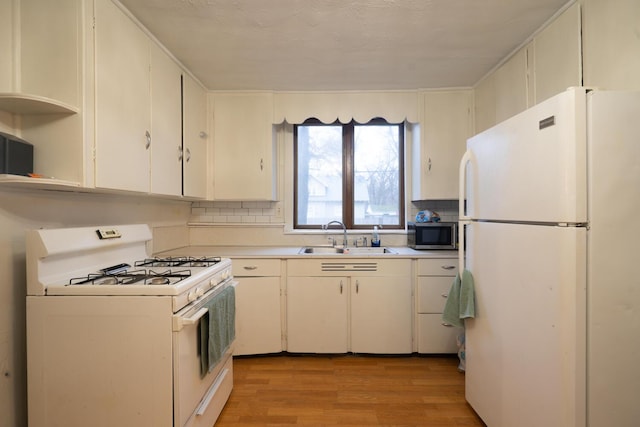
(157, 281)
(178, 262)
(108, 280)
(141, 276)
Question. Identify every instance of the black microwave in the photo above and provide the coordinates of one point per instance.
(432, 235)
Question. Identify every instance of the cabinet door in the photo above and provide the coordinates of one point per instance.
(123, 113)
(7, 46)
(558, 56)
(511, 86)
(166, 124)
(444, 132)
(317, 314)
(381, 315)
(195, 137)
(243, 143)
(50, 49)
(258, 327)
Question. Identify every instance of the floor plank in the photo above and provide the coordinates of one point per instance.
(347, 390)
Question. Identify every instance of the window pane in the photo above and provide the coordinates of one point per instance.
(319, 190)
(377, 175)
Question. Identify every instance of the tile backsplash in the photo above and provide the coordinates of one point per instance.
(272, 212)
(236, 212)
(228, 224)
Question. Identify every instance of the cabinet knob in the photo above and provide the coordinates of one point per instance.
(180, 151)
(148, 136)
(429, 164)
(448, 267)
(250, 267)
(203, 134)
(448, 325)
(188, 155)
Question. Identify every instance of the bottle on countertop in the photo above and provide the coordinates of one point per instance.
(375, 238)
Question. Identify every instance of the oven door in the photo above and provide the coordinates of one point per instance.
(198, 399)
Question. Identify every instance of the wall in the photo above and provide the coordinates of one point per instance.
(263, 224)
(21, 210)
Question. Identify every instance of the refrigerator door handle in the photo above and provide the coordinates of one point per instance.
(463, 219)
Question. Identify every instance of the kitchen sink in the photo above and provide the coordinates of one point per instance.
(330, 250)
(325, 250)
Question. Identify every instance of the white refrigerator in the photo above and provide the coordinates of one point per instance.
(553, 243)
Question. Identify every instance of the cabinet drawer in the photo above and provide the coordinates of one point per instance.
(247, 267)
(432, 293)
(438, 267)
(434, 337)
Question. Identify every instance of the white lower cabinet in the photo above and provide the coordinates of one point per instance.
(258, 306)
(357, 305)
(435, 277)
(381, 314)
(317, 320)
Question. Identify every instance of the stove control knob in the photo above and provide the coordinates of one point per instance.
(192, 296)
(199, 292)
(225, 274)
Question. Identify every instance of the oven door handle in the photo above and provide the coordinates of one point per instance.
(179, 322)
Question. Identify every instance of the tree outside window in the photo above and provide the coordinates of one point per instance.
(349, 172)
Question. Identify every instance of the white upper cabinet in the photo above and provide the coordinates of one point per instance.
(123, 100)
(195, 138)
(6, 46)
(548, 65)
(243, 146)
(443, 134)
(138, 115)
(41, 67)
(558, 55)
(166, 124)
(511, 85)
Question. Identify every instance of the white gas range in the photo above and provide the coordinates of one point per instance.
(116, 337)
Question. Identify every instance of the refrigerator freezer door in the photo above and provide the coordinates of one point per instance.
(532, 167)
(525, 349)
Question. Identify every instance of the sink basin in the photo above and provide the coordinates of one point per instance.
(325, 250)
(329, 250)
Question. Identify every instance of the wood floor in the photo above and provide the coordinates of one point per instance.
(347, 390)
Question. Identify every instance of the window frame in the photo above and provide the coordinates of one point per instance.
(348, 161)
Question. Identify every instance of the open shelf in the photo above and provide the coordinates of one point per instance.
(42, 183)
(20, 103)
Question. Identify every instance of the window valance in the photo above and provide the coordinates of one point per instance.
(394, 106)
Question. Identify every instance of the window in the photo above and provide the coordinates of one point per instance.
(352, 173)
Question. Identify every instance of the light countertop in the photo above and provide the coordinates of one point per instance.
(293, 252)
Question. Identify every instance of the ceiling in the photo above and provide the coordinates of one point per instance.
(341, 45)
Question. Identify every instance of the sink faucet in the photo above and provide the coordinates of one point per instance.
(344, 230)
